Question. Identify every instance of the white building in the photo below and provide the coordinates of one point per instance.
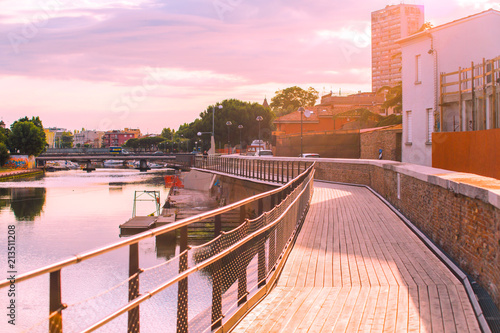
(431, 101)
(86, 137)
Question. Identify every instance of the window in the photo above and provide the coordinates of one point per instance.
(409, 130)
(430, 124)
(418, 69)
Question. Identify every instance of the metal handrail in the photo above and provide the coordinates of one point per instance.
(147, 234)
(134, 303)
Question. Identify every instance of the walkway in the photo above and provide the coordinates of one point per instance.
(356, 267)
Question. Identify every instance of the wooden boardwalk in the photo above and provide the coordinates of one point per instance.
(356, 267)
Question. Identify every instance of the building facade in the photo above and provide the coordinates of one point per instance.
(92, 139)
(389, 25)
(116, 138)
(449, 77)
(53, 136)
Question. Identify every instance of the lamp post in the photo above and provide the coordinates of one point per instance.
(301, 110)
(259, 119)
(240, 127)
(228, 123)
(212, 141)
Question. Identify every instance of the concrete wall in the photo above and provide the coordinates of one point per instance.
(459, 212)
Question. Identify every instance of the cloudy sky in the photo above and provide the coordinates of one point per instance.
(110, 64)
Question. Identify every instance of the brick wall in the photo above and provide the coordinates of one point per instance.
(387, 140)
(463, 219)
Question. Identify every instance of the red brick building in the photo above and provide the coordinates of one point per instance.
(331, 114)
(116, 138)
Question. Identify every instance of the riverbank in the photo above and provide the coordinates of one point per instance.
(8, 174)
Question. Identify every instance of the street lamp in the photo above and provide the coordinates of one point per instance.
(301, 110)
(259, 119)
(212, 141)
(240, 127)
(228, 123)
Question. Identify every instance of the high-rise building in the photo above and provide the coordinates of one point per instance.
(388, 25)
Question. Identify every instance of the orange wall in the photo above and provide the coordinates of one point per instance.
(325, 124)
(473, 152)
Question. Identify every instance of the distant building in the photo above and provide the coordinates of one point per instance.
(116, 138)
(365, 100)
(92, 139)
(388, 25)
(265, 104)
(135, 131)
(53, 136)
(440, 96)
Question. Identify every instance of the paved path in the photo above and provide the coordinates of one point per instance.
(356, 267)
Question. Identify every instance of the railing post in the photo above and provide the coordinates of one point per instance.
(133, 288)
(242, 269)
(287, 171)
(261, 250)
(272, 234)
(273, 171)
(217, 225)
(55, 304)
(216, 290)
(182, 295)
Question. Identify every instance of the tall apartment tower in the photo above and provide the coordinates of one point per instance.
(388, 25)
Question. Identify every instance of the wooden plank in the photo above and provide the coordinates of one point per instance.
(402, 314)
(286, 311)
(435, 307)
(424, 309)
(319, 312)
(295, 315)
(368, 313)
(391, 310)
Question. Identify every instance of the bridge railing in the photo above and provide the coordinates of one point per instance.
(239, 264)
(268, 169)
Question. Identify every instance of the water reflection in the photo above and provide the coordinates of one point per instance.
(26, 203)
(165, 245)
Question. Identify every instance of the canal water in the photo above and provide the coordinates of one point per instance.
(64, 213)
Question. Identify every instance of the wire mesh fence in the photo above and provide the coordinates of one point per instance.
(199, 287)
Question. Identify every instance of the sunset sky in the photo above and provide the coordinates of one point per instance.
(110, 64)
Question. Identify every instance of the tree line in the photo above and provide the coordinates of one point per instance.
(25, 136)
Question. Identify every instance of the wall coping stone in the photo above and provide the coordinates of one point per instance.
(471, 185)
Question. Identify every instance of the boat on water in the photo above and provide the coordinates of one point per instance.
(61, 165)
(113, 163)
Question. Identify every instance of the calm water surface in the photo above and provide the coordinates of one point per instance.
(65, 213)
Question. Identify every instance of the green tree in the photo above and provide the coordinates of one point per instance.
(4, 134)
(4, 154)
(290, 99)
(167, 133)
(66, 140)
(393, 97)
(35, 120)
(27, 138)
